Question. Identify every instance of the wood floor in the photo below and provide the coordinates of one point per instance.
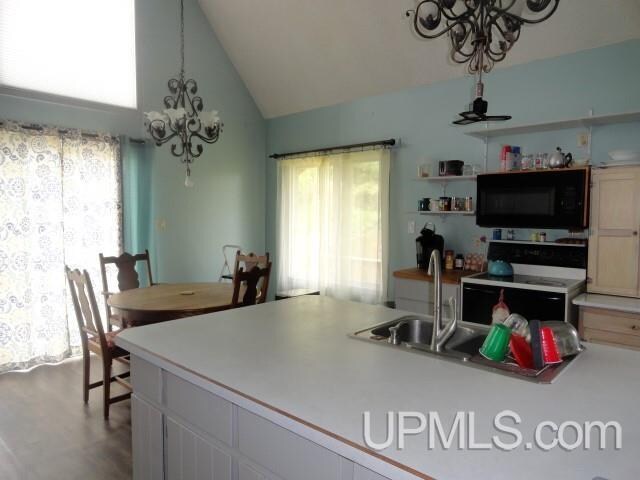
(46, 431)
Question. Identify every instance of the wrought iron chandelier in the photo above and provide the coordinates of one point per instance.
(183, 118)
(481, 33)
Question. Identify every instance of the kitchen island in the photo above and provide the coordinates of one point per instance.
(279, 390)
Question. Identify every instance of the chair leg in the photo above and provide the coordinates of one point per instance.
(86, 367)
(106, 386)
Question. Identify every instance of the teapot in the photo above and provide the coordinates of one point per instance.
(560, 160)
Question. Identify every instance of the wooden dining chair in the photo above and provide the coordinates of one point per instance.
(94, 339)
(127, 279)
(255, 283)
(249, 260)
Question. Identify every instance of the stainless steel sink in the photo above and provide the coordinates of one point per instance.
(413, 333)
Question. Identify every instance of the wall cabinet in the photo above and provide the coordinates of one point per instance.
(614, 239)
(183, 432)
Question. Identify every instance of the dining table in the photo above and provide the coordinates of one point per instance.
(169, 301)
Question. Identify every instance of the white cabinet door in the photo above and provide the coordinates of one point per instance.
(190, 457)
(246, 472)
(147, 436)
(614, 240)
(361, 473)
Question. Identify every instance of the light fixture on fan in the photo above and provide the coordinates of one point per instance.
(481, 33)
(183, 118)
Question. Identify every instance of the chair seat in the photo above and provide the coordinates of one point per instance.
(116, 320)
(115, 350)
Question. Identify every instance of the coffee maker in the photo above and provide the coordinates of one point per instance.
(426, 243)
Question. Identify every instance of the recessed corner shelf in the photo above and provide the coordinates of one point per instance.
(448, 178)
(461, 213)
(582, 122)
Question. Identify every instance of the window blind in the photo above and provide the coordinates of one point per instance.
(83, 49)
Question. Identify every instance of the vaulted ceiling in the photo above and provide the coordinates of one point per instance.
(296, 55)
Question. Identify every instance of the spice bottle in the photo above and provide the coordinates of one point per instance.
(448, 260)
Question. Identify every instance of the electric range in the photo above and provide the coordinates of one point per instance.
(546, 279)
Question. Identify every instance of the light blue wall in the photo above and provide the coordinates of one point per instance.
(604, 79)
(227, 203)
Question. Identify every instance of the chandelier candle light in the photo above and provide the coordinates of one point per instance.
(183, 118)
(481, 32)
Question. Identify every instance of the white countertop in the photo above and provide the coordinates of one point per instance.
(609, 302)
(294, 356)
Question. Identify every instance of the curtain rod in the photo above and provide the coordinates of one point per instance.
(35, 126)
(383, 143)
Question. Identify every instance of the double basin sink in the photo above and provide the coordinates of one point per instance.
(413, 333)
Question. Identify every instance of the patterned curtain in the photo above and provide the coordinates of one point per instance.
(60, 203)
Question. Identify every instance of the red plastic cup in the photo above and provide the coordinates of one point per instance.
(521, 351)
(550, 351)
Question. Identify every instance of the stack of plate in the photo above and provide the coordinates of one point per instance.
(623, 157)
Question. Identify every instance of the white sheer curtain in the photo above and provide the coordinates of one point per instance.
(333, 216)
(59, 203)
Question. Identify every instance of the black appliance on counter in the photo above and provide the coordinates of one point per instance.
(427, 242)
(536, 199)
(547, 277)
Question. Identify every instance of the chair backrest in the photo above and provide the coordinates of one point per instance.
(85, 306)
(249, 260)
(127, 275)
(255, 291)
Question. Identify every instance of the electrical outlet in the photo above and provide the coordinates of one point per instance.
(583, 139)
(411, 228)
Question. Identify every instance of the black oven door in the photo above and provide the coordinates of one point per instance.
(549, 199)
(478, 301)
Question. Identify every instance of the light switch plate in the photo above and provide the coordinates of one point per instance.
(583, 139)
(411, 228)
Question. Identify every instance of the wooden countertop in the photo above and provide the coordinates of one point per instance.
(451, 277)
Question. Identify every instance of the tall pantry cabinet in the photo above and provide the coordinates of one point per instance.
(614, 239)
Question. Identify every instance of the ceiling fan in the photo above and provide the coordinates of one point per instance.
(481, 33)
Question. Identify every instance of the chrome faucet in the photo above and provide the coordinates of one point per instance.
(439, 334)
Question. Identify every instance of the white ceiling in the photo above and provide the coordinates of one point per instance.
(296, 55)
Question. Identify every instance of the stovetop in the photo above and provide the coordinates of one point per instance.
(527, 281)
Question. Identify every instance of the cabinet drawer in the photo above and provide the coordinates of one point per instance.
(209, 412)
(413, 290)
(146, 379)
(423, 308)
(282, 452)
(420, 291)
(611, 338)
(611, 321)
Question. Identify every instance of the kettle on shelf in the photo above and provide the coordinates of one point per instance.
(426, 243)
(560, 160)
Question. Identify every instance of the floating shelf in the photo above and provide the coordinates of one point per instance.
(460, 213)
(583, 122)
(448, 178)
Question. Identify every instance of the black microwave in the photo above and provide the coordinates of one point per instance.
(534, 199)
